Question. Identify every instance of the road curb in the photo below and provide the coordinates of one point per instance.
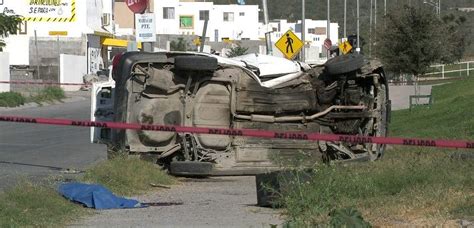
(44, 104)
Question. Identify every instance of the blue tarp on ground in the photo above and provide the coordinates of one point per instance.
(95, 196)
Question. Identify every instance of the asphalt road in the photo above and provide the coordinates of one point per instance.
(37, 151)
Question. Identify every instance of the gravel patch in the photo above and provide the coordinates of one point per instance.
(210, 202)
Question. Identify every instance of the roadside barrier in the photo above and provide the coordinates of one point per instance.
(42, 83)
(247, 132)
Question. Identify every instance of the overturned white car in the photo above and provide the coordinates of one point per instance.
(346, 95)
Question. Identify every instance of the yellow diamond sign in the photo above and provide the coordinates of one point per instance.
(289, 44)
(345, 47)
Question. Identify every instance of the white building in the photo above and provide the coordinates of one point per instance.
(235, 22)
(85, 21)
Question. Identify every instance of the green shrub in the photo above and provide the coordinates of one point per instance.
(11, 99)
(48, 94)
(127, 176)
(32, 205)
(426, 185)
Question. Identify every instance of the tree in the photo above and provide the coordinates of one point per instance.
(412, 40)
(181, 45)
(8, 25)
(237, 50)
(415, 38)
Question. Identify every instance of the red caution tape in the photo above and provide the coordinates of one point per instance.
(42, 83)
(248, 132)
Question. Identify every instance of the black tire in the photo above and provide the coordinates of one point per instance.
(344, 64)
(270, 186)
(191, 168)
(267, 189)
(195, 63)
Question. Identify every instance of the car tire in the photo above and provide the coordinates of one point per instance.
(191, 168)
(195, 63)
(344, 64)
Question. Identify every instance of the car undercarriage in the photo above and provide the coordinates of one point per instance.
(347, 95)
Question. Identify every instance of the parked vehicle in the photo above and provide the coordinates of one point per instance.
(346, 95)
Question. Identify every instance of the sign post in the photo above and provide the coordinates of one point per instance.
(289, 44)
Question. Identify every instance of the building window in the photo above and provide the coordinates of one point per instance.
(312, 31)
(203, 15)
(242, 14)
(228, 16)
(168, 12)
(186, 22)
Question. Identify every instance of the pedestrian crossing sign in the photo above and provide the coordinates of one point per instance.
(345, 47)
(289, 44)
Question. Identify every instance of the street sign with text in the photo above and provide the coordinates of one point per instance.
(289, 44)
(145, 27)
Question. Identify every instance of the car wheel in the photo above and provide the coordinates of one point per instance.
(195, 63)
(344, 64)
(191, 168)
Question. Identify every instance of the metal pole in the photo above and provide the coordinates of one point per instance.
(268, 38)
(375, 14)
(37, 57)
(303, 29)
(328, 30)
(385, 13)
(59, 60)
(375, 24)
(358, 27)
(370, 29)
(148, 46)
(203, 37)
(439, 8)
(329, 22)
(345, 18)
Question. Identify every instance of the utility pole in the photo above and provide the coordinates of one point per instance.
(303, 30)
(148, 46)
(268, 38)
(358, 28)
(375, 24)
(328, 29)
(385, 13)
(345, 18)
(370, 29)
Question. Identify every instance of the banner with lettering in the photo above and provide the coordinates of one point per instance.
(41, 10)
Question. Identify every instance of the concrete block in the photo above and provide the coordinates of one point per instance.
(72, 70)
(4, 71)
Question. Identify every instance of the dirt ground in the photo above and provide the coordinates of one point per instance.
(211, 202)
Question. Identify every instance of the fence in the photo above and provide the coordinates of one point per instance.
(436, 73)
(449, 71)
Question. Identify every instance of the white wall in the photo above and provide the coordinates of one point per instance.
(72, 68)
(245, 26)
(4, 71)
(85, 22)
